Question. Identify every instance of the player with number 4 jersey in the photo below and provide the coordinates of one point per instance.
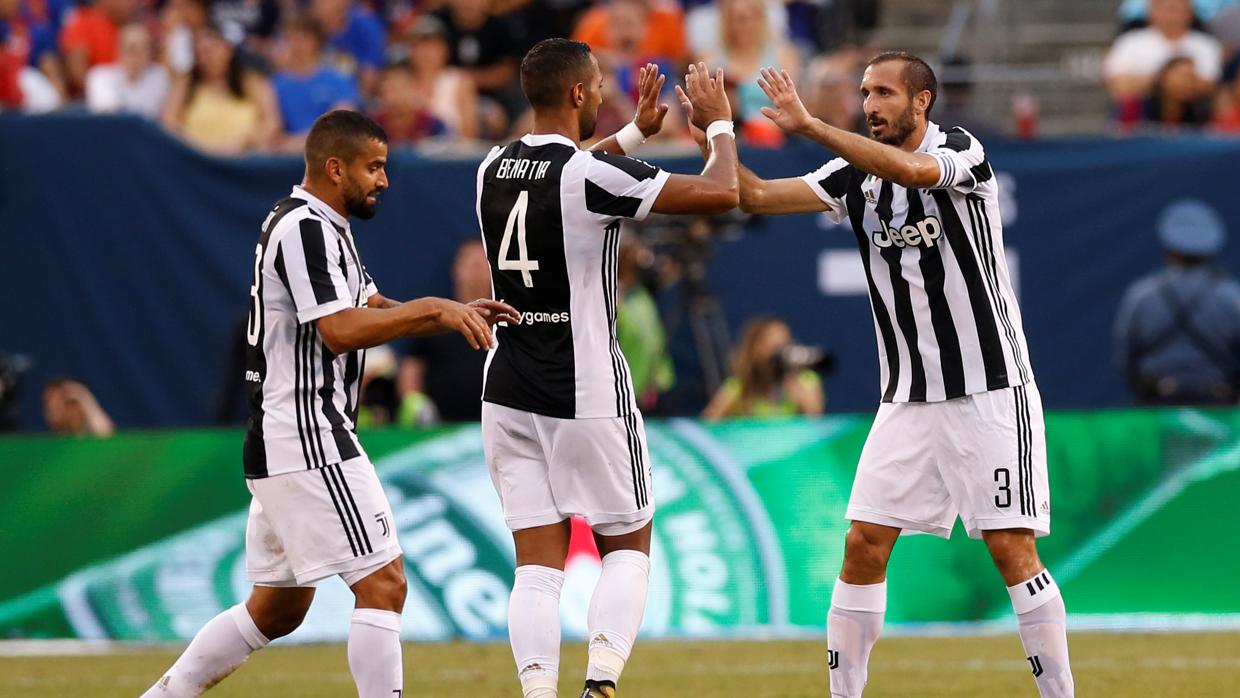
(318, 509)
(560, 424)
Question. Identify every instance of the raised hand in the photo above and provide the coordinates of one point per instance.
(707, 96)
(698, 134)
(789, 113)
(650, 113)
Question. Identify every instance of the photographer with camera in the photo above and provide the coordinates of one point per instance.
(771, 376)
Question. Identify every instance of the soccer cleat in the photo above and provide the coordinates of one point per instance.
(599, 689)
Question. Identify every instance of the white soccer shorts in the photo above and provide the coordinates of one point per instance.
(308, 525)
(981, 457)
(546, 469)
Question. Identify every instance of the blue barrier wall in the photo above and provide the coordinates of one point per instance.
(125, 256)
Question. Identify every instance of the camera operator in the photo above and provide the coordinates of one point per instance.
(771, 376)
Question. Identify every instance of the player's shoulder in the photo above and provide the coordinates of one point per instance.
(293, 213)
(607, 163)
(959, 139)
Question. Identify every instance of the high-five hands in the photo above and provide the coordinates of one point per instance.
(650, 113)
(789, 113)
(704, 97)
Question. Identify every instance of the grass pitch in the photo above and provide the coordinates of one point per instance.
(1105, 665)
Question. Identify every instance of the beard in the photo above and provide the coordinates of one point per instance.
(355, 203)
(897, 132)
(587, 121)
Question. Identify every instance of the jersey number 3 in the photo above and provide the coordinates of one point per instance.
(255, 326)
(516, 221)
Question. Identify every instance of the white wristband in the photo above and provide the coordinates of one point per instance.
(629, 137)
(719, 126)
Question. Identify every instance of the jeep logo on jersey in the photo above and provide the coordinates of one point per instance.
(921, 234)
(536, 318)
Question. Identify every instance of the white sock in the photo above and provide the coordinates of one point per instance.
(1044, 634)
(616, 611)
(853, 625)
(374, 653)
(219, 648)
(534, 628)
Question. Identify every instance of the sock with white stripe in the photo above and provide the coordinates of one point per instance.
(616, 611)
(534, 628)
(215, 652)
(1042, 622)
(853, 625)
(374, 653)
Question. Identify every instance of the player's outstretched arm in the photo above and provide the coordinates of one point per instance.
(362, 328)
(759, 195)
(911, 170)
(716, 189)
(646, 122)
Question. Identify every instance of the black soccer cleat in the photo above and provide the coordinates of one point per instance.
(599, 689)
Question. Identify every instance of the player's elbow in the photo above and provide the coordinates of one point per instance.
(915, 174)
(335, 333)
(751, 199)
(723, 199)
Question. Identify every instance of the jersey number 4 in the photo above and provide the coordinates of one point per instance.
(516, 221)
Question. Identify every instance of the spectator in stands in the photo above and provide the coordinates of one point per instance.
(1176, 100)
(1134, 61)
(1227, 105)
(136, 84)
(451, 96)
(182, 20)
(401, 107)
(91, 36)
(489, 48)
(747, 45)
(437, 367)
(356, 37)
(831, 93)
(305, 86)
(763, 383)
(221, 106)
(1177, 333)
(72, 410)
(1134, 14)
(639, 328)
(35, 81)
(663, 37)
(704, 30)
(250, 24)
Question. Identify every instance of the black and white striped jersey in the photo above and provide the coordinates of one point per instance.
(303, 398)
(947, 319)
(550, 219)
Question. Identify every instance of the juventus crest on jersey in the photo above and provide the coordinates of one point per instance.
(303, 398)
(947, 319)
(550, 218)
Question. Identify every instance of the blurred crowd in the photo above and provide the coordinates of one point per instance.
(236, 76)
(1176, 66)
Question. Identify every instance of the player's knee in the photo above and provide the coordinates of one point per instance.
(277, 621)
(385, 589)
(865, 551)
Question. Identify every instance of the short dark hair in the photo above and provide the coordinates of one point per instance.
(341, 133)
(550, 68)
(916, 76)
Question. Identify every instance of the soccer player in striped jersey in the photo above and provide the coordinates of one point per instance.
(560, 424)
(318, 509)
(959, 431)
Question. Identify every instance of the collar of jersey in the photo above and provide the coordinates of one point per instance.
(932, 131)
(532, 140)
(321, 207)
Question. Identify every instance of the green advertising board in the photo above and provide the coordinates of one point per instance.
(141, 537)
